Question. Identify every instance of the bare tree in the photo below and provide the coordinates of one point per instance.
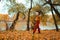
(56, 11)
(16, 8)
(29, 17)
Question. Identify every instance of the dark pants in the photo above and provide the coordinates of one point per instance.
(35, 28)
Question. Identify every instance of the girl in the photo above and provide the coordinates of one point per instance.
(37, 22)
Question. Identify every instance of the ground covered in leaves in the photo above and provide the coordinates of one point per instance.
(28, 35)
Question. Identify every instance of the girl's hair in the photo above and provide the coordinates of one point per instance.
(39, 12)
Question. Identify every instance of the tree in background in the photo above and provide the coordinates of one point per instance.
(52, 5)
(28, 21)
(17, 9)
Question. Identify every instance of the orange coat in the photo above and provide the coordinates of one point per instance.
(37, 21)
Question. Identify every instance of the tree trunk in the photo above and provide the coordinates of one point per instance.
(7, 28)
(28, 20)
(29, 17)
(6, 25)
(54, 19)
(14, 22)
